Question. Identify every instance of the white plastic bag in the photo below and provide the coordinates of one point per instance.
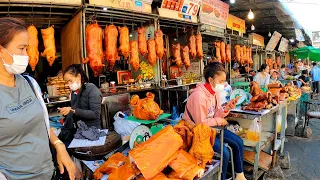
(254, 132)
(122, 126)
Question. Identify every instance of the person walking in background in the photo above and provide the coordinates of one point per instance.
(315, 73)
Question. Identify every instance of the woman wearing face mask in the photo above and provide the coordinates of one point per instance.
(24, 124)
(204, 106)
(263, 76)
(87, 96)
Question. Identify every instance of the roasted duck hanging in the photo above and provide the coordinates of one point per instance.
(32, 50)
(185, 56)
(110, 40)
(238, 53)
(228, 53)
(134, 58)
(217, 45)
(192, 46)
(223, 51)
(199, 46)
(159, 43)
(176, 54)
(49, 45)
(142, 41)
(124, 41)
(94, 47)
(152, 56)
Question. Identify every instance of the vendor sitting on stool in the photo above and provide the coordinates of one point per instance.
(204, 106)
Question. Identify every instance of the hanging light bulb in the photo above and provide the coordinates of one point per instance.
(252, 27)
(291, 40)
(269, 34)
(250, 14)
(232, 1)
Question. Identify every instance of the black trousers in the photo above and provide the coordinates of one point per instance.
(315, 86)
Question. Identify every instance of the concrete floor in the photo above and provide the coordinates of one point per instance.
(304, 155)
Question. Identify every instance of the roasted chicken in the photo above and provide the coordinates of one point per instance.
(32, 50)
(49, 44)
(134, 57)
(124, 41)
(146, 108)
(159, 43)
(142, 41)
(203, 141)
(152, 54)
(217, 45)
(193, 46)
(228, 53)
(177, 54)
(223, 51)
(185, 56)
(110, 40)
(269, 62)
(110, 166)
(199, 46)
(94, 47)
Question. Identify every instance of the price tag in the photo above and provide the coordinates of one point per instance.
(187, 7)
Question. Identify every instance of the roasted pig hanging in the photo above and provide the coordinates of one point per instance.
(110, 39)
(49, 45)
(199, 46)
(192, 46)
(152, 56)
(177, 54)
(142, 41)
(124, 41)
(94, 47)
(32, 50)
(238, 53)
(217, 45)
(223, 52)
(228, 53)
(185, 56)
(159, 43)
(134, 58)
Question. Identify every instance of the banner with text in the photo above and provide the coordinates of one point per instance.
(236, 24)
(273, 41)
(214, 12)
(257, 39)
(284, 45)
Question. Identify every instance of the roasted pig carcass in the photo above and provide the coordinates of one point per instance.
(185, 56)
(223, 51)
(152, 56)
(255, 89)
(32, 50)
(142, 41)
(110, 166)
(128, 171)
(203, 141)
(177, 54)
(195, 172)
(159, 43)
(124, 41)
(146, 108)
(193, 46)
(256, 106)
(183, 163)
(94, 47)
(199, 46)
(228, 53)
(49, 44)
(217, 45)
(134, 58)
(238, 53)
(186, 134)
(110, 39)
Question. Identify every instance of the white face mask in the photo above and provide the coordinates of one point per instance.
(219, 87)
(74, 86)
(19, 64)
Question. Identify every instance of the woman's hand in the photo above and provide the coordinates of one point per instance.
(65, 110)
(232, 104)
(64, 161)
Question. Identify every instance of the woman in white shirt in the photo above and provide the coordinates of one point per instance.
(263, 76)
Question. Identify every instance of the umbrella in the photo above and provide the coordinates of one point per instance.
(309, 52)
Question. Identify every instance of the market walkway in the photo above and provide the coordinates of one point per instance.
(305, 155)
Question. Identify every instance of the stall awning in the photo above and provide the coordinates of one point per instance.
(307, 51)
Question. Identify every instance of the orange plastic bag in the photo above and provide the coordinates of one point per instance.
(183, 163)
(152, 156)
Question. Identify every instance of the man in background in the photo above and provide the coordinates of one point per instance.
(315, 73)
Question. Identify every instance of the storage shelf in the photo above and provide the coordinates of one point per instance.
(266, 138)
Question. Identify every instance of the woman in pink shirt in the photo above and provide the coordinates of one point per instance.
(204, 106)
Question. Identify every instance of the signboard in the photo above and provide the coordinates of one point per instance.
(134, 5)
(257, 39)
(187, 7)
(214, 12)
(275, 38)
(299, 35)
(236, 24)
(284, 45)
(195, 69)
(316, 39)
